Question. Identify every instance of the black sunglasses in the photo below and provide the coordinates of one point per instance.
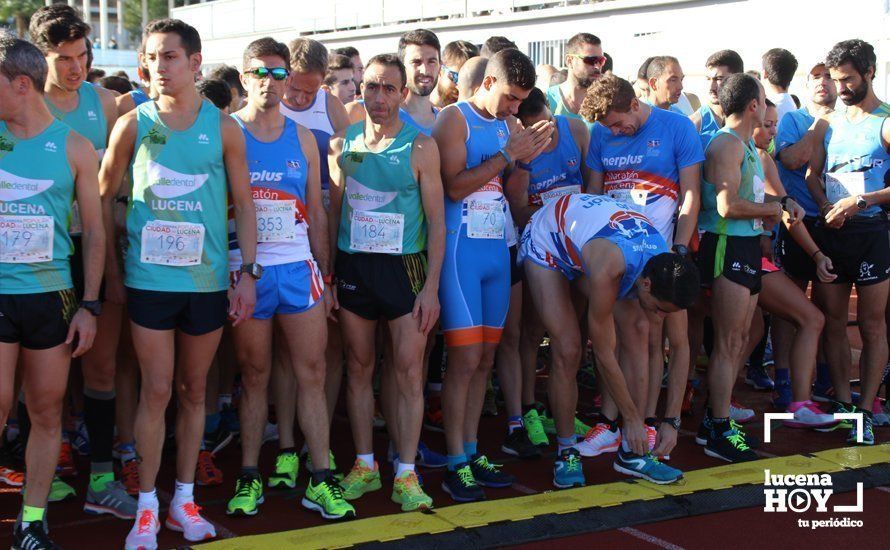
(277, 73)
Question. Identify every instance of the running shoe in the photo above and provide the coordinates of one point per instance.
(287, 466)
(379, 421)
(217, 440)
(740, 413)
(360, 480)
(808, 415)
(758, 378)
(60, 491)
(535, 428)
(406, 490)
(130, 476)
(327, 498)
(332, 465)
(598, 440)
(112, 500)
(11, 477)
(567, 470)
(490, 474)
(34, 537)
(838, 407)
(826, 394)
(868, 430)
(646, 467)
(429, 458)
(730, 446)
(518, 444)
(688, 398)
(461, 485)
(248, 496)
(80, 438)
(549, 425)
(185, 517)
(651, 436)
(879, 414)
(229, 418)
(581, 428)
(206, 472)
(66, 467)
(705, 430)
(490, 405)
(782, 395)
(144, 534)
(432, 418)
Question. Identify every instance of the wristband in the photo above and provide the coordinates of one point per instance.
(327, 279)
(813, 255)
(506, 155)
(523, 166)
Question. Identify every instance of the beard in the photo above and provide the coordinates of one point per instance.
(855, 96)
(586, 80)
(423, 90)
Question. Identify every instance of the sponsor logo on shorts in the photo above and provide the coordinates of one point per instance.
(865, 273)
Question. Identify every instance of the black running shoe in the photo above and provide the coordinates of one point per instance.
(215, 441)
(489, 474)
(730, 446)
(461, 484)
(518, 444)
(33, 537)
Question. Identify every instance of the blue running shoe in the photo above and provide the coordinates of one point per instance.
(646, 467)
(782, 395)
(429, 458)
(824, 393)
(868, 431)
(758, 378)
(567, 471)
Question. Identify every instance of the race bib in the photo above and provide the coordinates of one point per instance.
(844, 184)
(26, 239)
(275, 220)
(76, 227)
(553, 194)
(635, 198)
(379, 232)
(759, 195)
(172, 243)
(485, 219)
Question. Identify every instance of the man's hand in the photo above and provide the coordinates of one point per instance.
(637, 438)
(243, 300)
(83, 325)
(426, 310)
(330, 302)
(842, 209)
(794, 212)
(824, 268)
(666, 440)
(527, 142)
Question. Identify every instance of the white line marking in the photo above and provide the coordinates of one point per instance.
(636, 533)
(523, 489)
(885, 489)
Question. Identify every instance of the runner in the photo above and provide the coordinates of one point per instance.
(90, 111)
(847, 178)
(585, 60)
(475, 290)
(650, 160)
(611, 254)
(470, 77)
(184, 156)
(232, 79)
(292, 284)
(44, 165)
(338, 79)
(386, 176)
(732, 216)
(709, 118)
(358, 67)
(454, 55)
(665, 79)
(128, 102)
(779, 66)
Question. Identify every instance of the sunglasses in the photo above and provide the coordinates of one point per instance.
(592, 60)
(452, 75)
(277, 73)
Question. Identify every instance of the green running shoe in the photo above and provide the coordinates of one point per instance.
(248, 496)
(535, 429)
(581, 428)
(332, 465)
(361, 480)
(406, 490)
(326, 498)
(60, 491)
(287, 465)
(549, 424)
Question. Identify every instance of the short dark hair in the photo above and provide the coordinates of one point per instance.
(52, 25)
(495, 44)
(574, 44)
(770, 103)
(512, 67)
(389, 60)
(230, 76)
(726, 58)
(217, 91)
(419, 37)
(779, 65)
(117, 83)
(674, 279)
(21, 58)
(266, 46)
(95, 74)
(336, 62)
(188, 35)
(737, 92)
(533, 105)
(658, 64)
(348, 51)
(644, 68)
(609, 64)
(857, 52)
(459, 50)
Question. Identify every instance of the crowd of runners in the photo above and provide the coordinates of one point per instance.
(410, 226)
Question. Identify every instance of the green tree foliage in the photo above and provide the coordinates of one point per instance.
(133, 14)
(20, 11)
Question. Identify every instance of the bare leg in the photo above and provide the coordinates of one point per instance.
(252, 340)
(508, 365)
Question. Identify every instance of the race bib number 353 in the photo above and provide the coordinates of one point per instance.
(275, 220)
(379, 232)
(172, 243)
(26, 239)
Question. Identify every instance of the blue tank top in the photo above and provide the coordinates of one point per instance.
(316, 118)
(557, 172)
(856, 161)
(139, 97)
(408, 119)
(792, 129)
(709, 126)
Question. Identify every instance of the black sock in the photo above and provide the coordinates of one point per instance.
(651, 421)
(613, 424)
(721, 425)
(98, 415)
(320, 475)
(284, 450)
(251, 471)
(527, 408)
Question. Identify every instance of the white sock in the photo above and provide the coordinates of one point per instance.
(368, 459)
(183, 492)
(402, 467)
(148, 501)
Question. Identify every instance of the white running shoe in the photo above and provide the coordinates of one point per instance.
(740, 413)
(808, 415)
(599, 440)
(185, 517)
(144, 534)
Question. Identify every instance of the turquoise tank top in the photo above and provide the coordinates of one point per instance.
(176, 218)
(36, 192)
(382, 210)
(88, 119)
(751, 188)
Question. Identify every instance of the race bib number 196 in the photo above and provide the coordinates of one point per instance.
(379, 232)
(485, 219)
(172, 243)
(26, 239)
(275, 220)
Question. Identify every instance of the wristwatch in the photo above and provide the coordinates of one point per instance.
(93, 306)
(672, 421)
(255, 270)
(681, 250)
(784, 202)
(861, 203)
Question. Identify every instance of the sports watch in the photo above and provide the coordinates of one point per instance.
(672, 421)
(93, 306)
(861, 203)
(255, 270)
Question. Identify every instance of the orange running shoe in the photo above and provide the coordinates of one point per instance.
(130, 477)
(11, 477)
(66, 467)
(206, 472)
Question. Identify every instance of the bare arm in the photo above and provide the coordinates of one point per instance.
(696, 119)
(516, 192)
(595, 182)
(85, 165)
(723, 170)
(318, 218)
(581, 135)
(337, 188)
(425, 161)
(798, 154)
(109, 108)
(124, 104)
(450, 133)
(338, 114)
(690, 203)
(817, 164)
(355, 112)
